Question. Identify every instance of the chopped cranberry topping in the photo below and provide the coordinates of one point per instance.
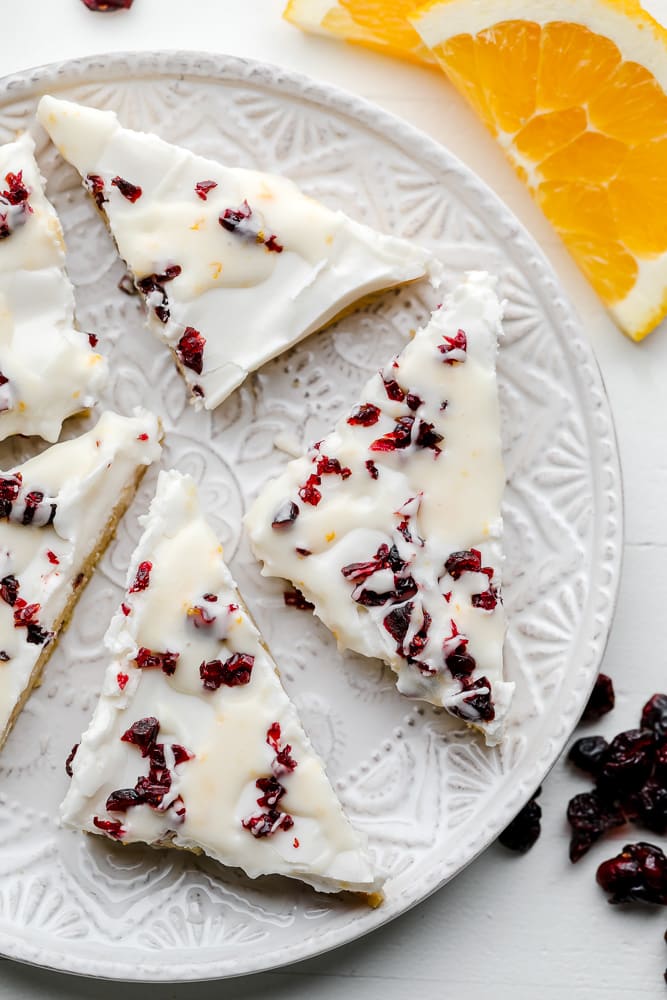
(9, 590)
(273, 734)
(95, 185)
(309, 492)
(468, 561)
(200, 617)
(273, 245)
(122, 679)
(130, 191)
(428, 437)
(400, 437)
(181, 755)
(602, 699)
(143, 577)
(211, 597)
(639, 873)
(147, 658)
(525, 828)
(394, 390)
(365, 415)
(9, 490)
(142, 437)
(284, 761)
(295, 842)
(190, 349)
(268, 823)
(232, 218)
(235, 671)
(460, 663)
(68, 762)
(414, 401)
(32, 502)
(587, 753)
(235, 220)
(113, 827)
(25, 614)
(16, 193)
(372, 468)
(303, 552)
(454, 346)
(123, 799)
(202, 188)
(331, 466)
(478, 704)
(152, 286)
(272, 791)
(4, 656)
(285, 516)
(487, 600)
(198, 390)
(93, 339)
(384, 558)
(37, 635)
(397, 623)
(142, 734)
(590, 816)
(294, 599)
(125, 609)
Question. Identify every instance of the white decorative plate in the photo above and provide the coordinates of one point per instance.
(428, 793)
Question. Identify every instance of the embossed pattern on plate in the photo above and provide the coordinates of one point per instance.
(429, 795)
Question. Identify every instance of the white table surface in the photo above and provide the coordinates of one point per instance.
(523, 928)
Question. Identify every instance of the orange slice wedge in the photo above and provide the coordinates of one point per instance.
(377, 24)
(576, 93)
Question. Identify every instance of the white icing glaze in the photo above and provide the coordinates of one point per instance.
(249, 303)
(451, 501)
(52, 370)
(84, 478)
(226, 729)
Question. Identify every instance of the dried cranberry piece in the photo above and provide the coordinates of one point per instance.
(231, 218)
(25, 614)
(467, 561)
(454, 345)
(181, 755)
(331, 466)
(285, 515)
(638, 873)
(525, 828)
(284, 761)
(32, 502)
(273, 734)
(414, 401)
(405, 588)
(122, 679)
(460, 663)
(419, 639)
(37, 635)
(17, 193)
(384, 558)
(190, 349)
(272, 791)
(52, 557)
(123, 799)
(132, 192)
(372, 468)
(200, 617)
(93, 339)
(142, 734)
(487, 600)
(105, 6)
(235, 671)
(428, 437)
(273, 245)
(113, 827)
(309, 492)
(294, 599)
(153, 788)
(95, 185)
(68, 762)
(650, 807)
(602, 699)
(143, 577)
(9, 490)
(478, 703)
(397, 623)
(400, 437)
(654, 715)
(268, 823)
(627, 763)
(588, 752)
(4, 656)
(153, 285)
(125, 609)
(9, 590)
(365, 415)
(202, 188)
(590, 816)
(394, 390)
(147, 658)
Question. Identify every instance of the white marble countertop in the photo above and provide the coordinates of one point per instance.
(518, 928)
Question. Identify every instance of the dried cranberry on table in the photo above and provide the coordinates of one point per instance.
(590, 816)
(638, 873)
(602, 699)
(587, 753)
(105, 6)
(525, 828)
(626, 764)
(654, 715)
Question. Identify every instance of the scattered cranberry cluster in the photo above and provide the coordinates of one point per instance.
(149, 789)
(14, 204)
(33, 508)
(25, 615)
(271, 819)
